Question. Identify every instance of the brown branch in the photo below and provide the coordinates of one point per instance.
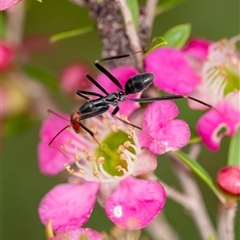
(226, 218)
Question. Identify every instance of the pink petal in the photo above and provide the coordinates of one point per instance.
(144, 163)
(5, 4)
(73, 77)
(171, 70)
(198, 48)
(7, 55)
(135, 203)
(228, 179)
(210, 124)
(122, 73)
(51, 161)
(68, 206)
(78, 234)
(169, 134)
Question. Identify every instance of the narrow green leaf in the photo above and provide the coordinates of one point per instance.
(167, 5)
(234, 150)
(134, 9)
(200, 171)
(178, 35)
(156, 42)
(3, 24)
(71, 33)
(41, 75)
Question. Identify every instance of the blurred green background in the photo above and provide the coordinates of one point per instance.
(22, 184)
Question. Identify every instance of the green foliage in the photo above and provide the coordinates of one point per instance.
(156, 42)
(178, 35)
(199, 171)
(3, 24)
(17, 124)
(234, 150)
(71, 33)
(134, 9)
(41, 75)
(166, 5)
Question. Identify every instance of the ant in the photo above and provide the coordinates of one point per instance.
(102, 103)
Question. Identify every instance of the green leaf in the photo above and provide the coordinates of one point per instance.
(200, 171)
(178, 35)
(3, 24)
(156, 42)
(166, 5)
(233, 82)
(41, 75)
(134, 9)
(16, 124)
(234, 150)
(71, 33)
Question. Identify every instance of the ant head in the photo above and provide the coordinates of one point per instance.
(75, 122)
(138, 83)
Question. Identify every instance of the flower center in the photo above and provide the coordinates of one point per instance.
(109, 156)
(114, 160)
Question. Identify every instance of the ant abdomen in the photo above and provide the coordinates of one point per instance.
(138, 83)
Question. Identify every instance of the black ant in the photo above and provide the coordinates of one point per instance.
(102, 103)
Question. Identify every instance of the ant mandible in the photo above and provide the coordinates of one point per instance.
(102, 103)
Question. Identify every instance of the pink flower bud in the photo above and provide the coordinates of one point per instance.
(5, 4)
(73, 77)
(7, 56)
(228, 179)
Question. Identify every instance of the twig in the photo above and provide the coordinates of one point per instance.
(226, 218)
(15, 24)
(131, 31)
(196, 207)
(160, 229)
(150, 14)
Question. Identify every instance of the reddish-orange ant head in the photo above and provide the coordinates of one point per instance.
(75, 122)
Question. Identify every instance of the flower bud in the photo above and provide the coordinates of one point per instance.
(228, 179)
(7, 55)
(73, 77)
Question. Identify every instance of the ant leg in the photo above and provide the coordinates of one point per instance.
(81, 92)
(49, 144)
(171, 97)
(90, 115)
(116, 110)
(90, 132)
(106, 72)
(96, 84)
(51, 111)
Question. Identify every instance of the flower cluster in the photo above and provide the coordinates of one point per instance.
(110, 167)
(110, 172)
(208, 71)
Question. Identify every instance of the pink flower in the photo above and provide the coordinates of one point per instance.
(197, 48)
(62, 207)
(122, 74)
(5, 4)
(228, 179)
(73, 77)
(216, 90)
(169, 134)
(172, 72)
(98, 173)
(7, 56)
